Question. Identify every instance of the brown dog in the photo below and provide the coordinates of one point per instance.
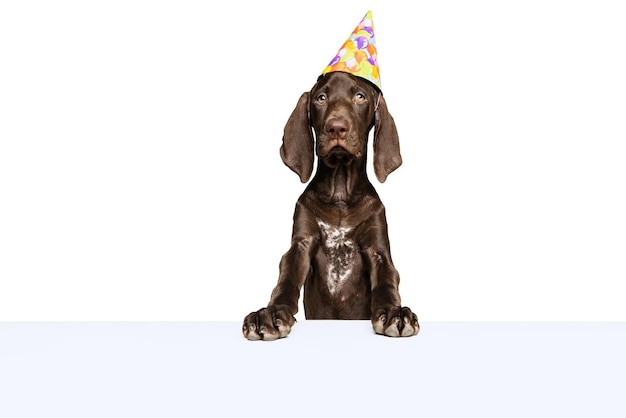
(339, 247)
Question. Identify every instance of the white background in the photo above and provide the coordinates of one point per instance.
(140, 176)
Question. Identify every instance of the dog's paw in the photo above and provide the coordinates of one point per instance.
(395, 321)
(268, 324)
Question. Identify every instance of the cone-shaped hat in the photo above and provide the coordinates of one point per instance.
(358, 55)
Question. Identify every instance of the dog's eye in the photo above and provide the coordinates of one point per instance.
(359, 98)
(321, 99)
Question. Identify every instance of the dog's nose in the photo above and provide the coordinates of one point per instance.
(337, 128)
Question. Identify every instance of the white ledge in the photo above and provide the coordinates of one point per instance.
(324, 368)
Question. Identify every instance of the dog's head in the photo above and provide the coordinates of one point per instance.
(341, 109)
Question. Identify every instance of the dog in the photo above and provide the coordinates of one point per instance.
(340, 247)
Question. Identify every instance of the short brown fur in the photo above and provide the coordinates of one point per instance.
(340, 246)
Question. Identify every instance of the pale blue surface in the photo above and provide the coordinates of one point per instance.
(324, 368)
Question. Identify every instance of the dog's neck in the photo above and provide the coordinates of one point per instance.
(342, 183)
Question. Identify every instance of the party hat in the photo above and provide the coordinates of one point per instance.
(357, 55)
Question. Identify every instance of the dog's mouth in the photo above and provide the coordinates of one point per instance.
(338, 155)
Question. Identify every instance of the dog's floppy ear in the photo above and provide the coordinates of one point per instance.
(297, 149)
(386, 143)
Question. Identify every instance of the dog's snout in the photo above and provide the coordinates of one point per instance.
(337, 128)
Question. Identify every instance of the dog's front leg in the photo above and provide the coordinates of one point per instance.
(389, 317)
(275, 321)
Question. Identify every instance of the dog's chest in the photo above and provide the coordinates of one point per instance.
(340, 252)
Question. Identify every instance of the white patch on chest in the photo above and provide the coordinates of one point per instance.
(339, 251)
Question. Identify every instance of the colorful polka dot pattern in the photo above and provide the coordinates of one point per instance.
(358, 55)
